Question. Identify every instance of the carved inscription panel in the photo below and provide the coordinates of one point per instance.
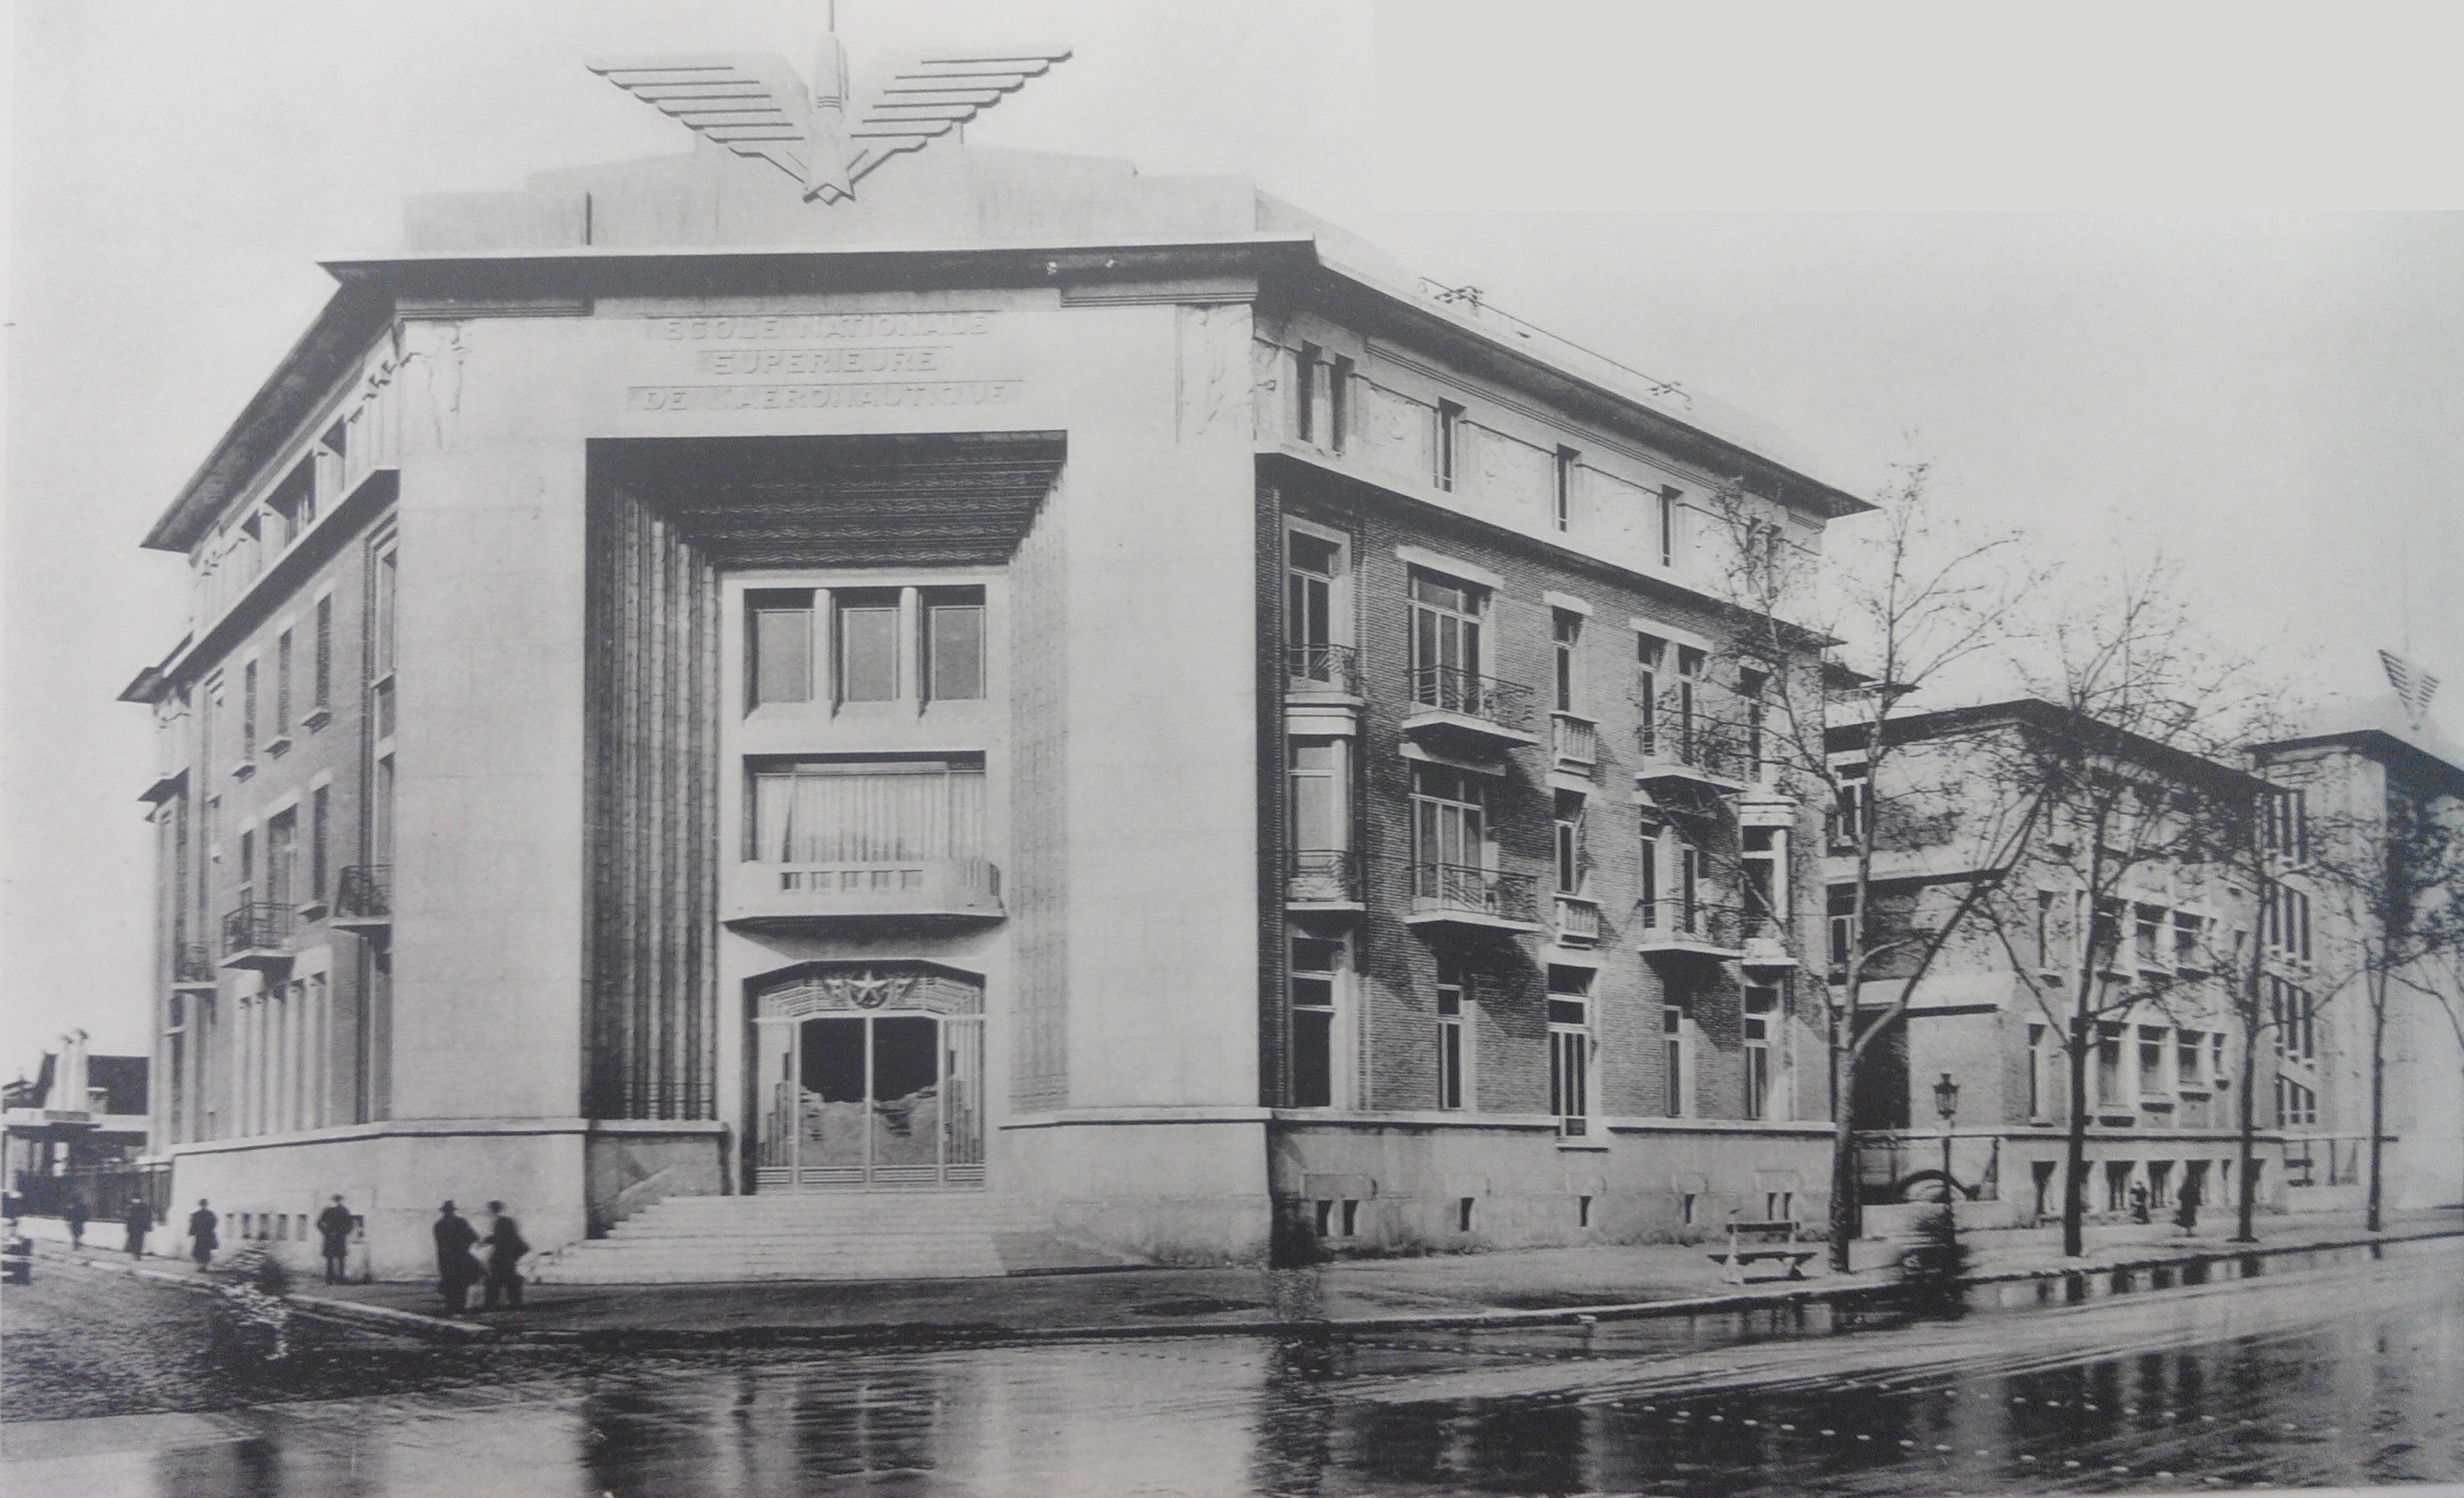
(835, 360)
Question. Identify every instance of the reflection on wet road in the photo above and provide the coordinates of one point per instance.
(2345, 1372)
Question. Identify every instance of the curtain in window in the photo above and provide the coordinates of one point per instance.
(867, 814)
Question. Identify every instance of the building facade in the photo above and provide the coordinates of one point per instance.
(1087, 690)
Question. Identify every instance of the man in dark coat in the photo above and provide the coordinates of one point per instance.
(76, 1218)
(140, 1219)
(333, 1226)
(455, 1269)
(203, 1240)
(505, 1250)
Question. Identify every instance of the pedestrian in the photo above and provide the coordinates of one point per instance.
(2139, 1203)
(203, 1240)
(75, 1215)
(457, 1270)
(505, 1250)
(140, 1221)
(333, 1226)
(2186, 1215)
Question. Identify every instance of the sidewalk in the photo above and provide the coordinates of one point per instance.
(1466, 1290)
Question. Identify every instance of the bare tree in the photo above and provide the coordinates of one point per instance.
(2129, 774)
(1906, 599)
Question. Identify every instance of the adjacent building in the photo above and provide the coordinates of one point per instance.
(1054, 700)
(74, 1132)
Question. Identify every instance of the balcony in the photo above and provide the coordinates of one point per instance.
(792, 897)
(1579, 921)
(1677, 756)
(192, 965)
(1471, 712)
(1455, 894)
(1323, 668)
(258, 935)
(1324, 880)
(1691, 928)
(364, 900)
(1576, 741)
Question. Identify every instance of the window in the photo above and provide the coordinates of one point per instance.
(282, 684)
(1450, 847)
(1315, 964)
(1304, 388)
(1569, 842)
(2108, 1066)
(1689, 883)
(1312, 566)
(2117, 1186)
(1450, 436)
(1648, 891)
(1669, 527)
(380, 815)
(2036, 1072)
(1840, 909)
(247, 867)
(868, 645)
(1570, 1049)
(1450, 1003)
(1446, 641)
(780, 620)
(2288, 825)
(1689, 674)
(324, 668)
(1855, 795)
(2147, 932)
(2288, 923)
(1764, 852)
(954, 644)
(1321, 816)
(383, 597)
(1672, 1033)
(282, 857)
(2105, 935)
(867, 811)
(1564, 509)
(2152, 1062)
(2188, 1056)
(1338, 404)
(2045, 930)
(1761, 1010)
(1566, 629)
(1751, 686)
(1650, 655)
(2188, 956)
(2296, 1106)
(320, 831)
(248, 713)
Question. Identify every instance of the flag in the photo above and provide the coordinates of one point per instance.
(2413, 686)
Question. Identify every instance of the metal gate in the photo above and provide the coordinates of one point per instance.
(870, 1078)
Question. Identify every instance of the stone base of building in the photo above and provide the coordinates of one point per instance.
(1168, 1185)
(1448, 1182)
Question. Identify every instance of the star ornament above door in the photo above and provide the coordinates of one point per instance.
(756, 104)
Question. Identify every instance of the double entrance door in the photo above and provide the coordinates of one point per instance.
(875, 1101)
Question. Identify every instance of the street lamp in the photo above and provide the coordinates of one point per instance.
(1946, 1102)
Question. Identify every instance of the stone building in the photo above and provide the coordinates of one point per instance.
(1024, 703)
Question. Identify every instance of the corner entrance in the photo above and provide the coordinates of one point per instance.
(869, 1078)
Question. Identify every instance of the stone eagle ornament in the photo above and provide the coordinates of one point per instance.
(755, 104)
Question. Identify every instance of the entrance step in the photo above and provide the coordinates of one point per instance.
(817, 1235)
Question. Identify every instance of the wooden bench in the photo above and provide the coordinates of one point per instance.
(1757, 1243)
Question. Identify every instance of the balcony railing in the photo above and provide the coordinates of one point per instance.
(1440, 891)
(1334, 668)
(1690, 741)
(1483, 700)
(192, 965)
(364, 898)
(1323, 876)
(1579, 920)
(926, 888)
(1693, 926)
(258, 934)
(1575, 739)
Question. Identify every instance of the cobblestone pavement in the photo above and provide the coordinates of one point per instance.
(83, 1342)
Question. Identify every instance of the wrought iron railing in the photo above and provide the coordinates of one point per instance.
(192, 962)
(364, 893)
(1578, 919)
(1575, 739)
(1675, 731)
(1323, 876)
(1444, 888)
(259, 926)
(1333, 666)
(1449, 688)
(1664, 922)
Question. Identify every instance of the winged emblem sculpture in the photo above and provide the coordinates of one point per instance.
(756, 105)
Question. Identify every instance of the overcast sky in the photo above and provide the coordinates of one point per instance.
(2273, 395)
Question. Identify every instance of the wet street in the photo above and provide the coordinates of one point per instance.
(2331, 1368)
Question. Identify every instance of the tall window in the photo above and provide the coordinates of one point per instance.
(1566, 629)
(1647, 874)
(282, 858)
(2108, 1066)
(1650, 659)
(381, 814)
(1564, 489)
(282, 683)
(1672, 1035)
(1570, 1049)
(868, 645)
(1766, 870)
(1316, 964)
(383, 601)
(1338, 405)
(1840, 910)
(1689, 882)
(1450, 1007)
(324, 669)
(1313, 564)
(2045, 930)
(2151, 1061)
(1321, 813)
(1855, 796)
(1450, 438)
(1446, 641)
(2288, 825)
(954, 644)
(320, 809)
(248, 867)
(1569, 842)
(1449, 824)
(1689, 675)
(1761, 1015)
(1751, 686)
(1304, 388)
(2147, 932)
(2036, 1072)
(2288, 921)
(1669, 527)
(247, 712)
(782, 648)
(868, 811)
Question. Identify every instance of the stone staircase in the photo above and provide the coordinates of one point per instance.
(823, 1235)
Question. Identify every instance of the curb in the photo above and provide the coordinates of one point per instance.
(343, 1312)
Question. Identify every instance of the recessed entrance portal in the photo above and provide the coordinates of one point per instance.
(870, 1078)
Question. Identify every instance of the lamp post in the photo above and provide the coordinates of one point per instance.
(1946, 1102)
